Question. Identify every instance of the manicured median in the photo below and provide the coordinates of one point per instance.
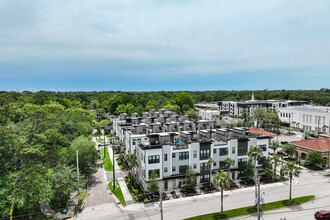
(117, 192)
(252, 209)
(106, 160)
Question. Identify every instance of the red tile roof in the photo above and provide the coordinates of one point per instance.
(319, 144)
(260, 131)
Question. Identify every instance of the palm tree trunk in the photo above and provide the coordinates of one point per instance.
(255, 177)
(210, 175)
(290, 188)
(221, 200)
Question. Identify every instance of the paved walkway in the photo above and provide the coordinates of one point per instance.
(120, 176)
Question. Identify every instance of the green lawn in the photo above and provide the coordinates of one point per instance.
(100, 140)
(117, 192)
(106, 161)
(81, 198)
(252, 209)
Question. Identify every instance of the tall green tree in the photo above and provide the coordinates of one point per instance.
(255, 153)
(87, 155)
(153, 183)
(292, 170)
(190, 178)
(229, 162)
(276, 161)
(221, 180)
(210, 163)
(314, 157)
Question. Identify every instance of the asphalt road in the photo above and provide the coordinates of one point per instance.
(309, 183)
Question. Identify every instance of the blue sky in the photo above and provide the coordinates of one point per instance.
(137, 45)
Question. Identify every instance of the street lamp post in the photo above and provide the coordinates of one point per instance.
(114, 170)
(105, 155)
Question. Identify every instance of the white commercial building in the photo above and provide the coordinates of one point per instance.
(307, 117)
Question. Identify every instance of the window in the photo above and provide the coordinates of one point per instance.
(183, 169)
(214, 164)
(205, 178)
(242, 148)
(173, 169)
(195, 166)
(241, 166)
(214, 151)
(263, 147)
(153, 159)
(261, 160)
(173, 155)
(233, 149)
(223, 152)
(222, 164)
(205, 154)
(165, 157)
(157, 172)
(165, 169)
(205, 167)
(195, 154)
(184, 155)
(133, 142)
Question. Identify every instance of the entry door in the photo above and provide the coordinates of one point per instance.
(165, 185)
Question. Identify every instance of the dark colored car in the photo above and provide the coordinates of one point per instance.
(282, 153)
(322, 214)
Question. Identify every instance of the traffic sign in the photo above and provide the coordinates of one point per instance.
(75, 201)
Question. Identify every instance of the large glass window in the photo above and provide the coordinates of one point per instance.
(242, 148)
(205, 154)
(182, 169)
(173, 155)
(165, 157)
(241, 166)
(223, 151)
(153, 159)
(184, 155)
(195, 154)
(263, 147)
(205, 167)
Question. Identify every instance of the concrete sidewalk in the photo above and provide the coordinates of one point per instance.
(127, 196)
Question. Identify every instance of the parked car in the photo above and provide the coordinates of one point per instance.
(284, 142)
(322, 214)
(282, 153)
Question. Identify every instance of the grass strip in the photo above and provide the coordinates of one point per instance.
(117, 192)
(253, 209)
(106, 161)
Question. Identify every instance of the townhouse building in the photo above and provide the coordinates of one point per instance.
(170, 146)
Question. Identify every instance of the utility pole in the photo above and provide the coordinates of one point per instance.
(114, 170)
(161, 205)
(258, 198)
(105, 155)
(78, 170)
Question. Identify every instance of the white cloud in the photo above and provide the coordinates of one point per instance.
(210, 37)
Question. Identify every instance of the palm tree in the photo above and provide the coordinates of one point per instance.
(132, 162)
(292, 170)
(276, 160)
(255, 153)
(274, 146)
(229, 162)
(210, 162)
(221, 180)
